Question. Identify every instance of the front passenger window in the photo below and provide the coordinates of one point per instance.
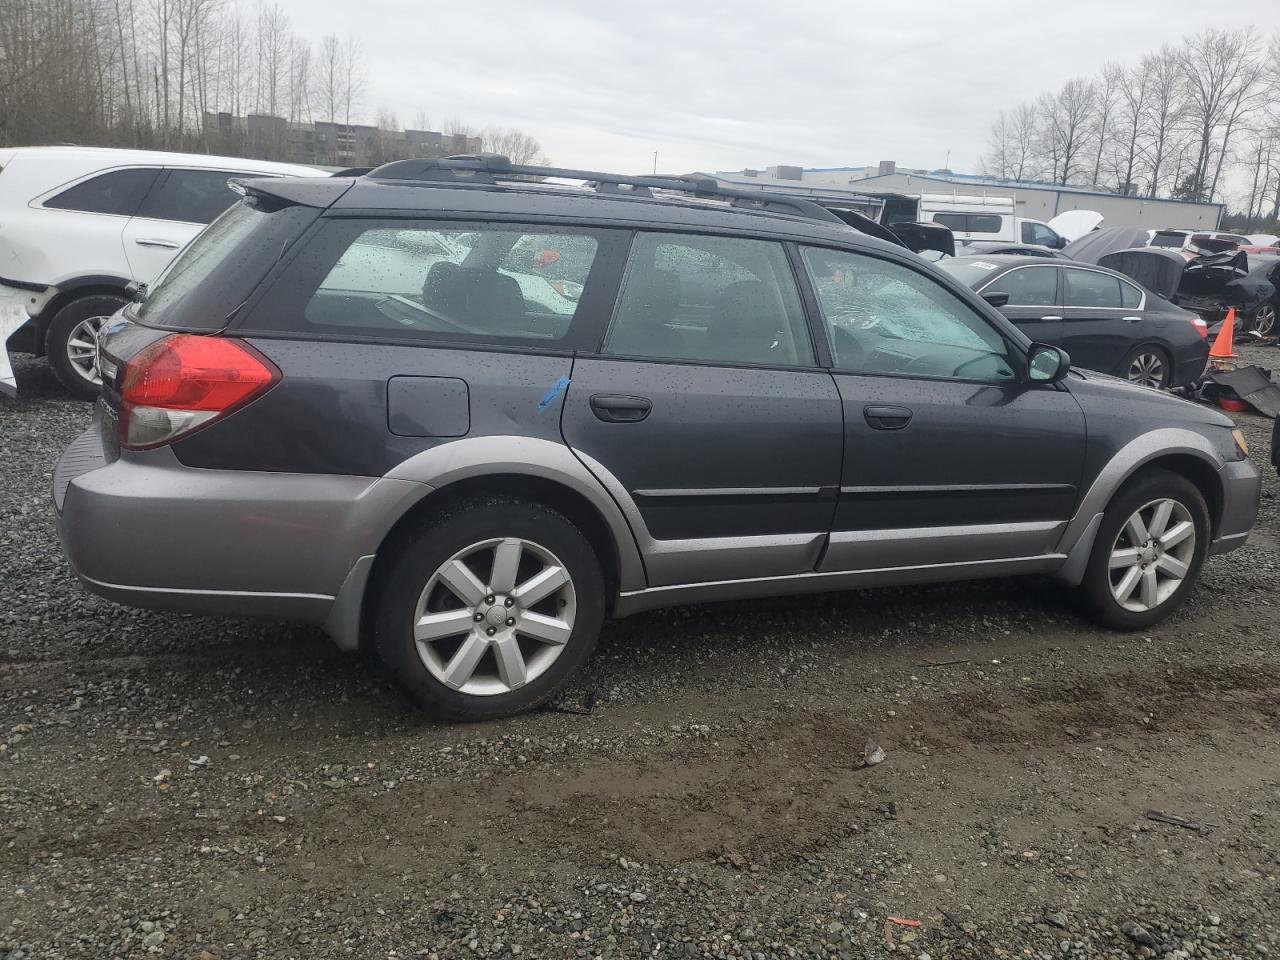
(885, 318)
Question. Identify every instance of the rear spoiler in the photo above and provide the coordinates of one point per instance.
(917, 237)
(319, 192)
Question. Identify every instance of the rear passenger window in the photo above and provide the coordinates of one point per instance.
(1028, 286)
(407, 280)
(709, 299)
(970, 222)
(191, 196)
(1085, 288)
(118, 192)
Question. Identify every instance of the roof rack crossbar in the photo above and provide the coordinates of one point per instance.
(488, 168)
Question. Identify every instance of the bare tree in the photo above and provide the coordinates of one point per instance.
(1166, 108)
(1065, 127)
(514, 144)
(1134, 92)
(1105, 104)
(353, 77)
(1219, 69)
(997, 161)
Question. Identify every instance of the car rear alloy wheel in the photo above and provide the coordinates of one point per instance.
(487, 607)
(1264, 321)
(1147, 368)
(1152, 555)
(495, 616)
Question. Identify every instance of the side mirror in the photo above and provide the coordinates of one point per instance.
(1047, 363)
(996, 299)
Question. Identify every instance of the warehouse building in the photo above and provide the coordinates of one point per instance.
(1036, 201)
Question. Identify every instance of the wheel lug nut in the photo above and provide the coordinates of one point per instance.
(479, 617)
(509, 602)
(491, 631)
(511, 621)
(490, 598)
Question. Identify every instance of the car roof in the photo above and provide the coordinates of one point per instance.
(572, 204)
(93, 158)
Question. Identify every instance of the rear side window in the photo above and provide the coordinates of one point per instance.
(709, 299)
(190, 196)
(118, 193)
(204, 286)
(1028, 286)
(1085, 288)
(436, 282)
(970, 222)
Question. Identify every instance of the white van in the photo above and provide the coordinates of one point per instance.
(973, 218)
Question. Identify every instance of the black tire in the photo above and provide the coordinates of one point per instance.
(423, 551)
(1148, 486)
(56, 339)
(1127, 368)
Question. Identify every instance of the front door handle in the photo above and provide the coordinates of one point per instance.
(167, 244)
(1131, 319)
(1050, 318)
(887, 418)
(616, 409)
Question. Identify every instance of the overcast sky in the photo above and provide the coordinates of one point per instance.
(719, 86)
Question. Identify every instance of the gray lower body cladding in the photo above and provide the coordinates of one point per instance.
(146, 530)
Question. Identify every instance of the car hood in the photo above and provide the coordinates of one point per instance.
(1074, 224)
(1155, 406)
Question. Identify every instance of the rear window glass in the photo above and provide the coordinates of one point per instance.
(1175, 240)
(118, 192)
(969, 270)
(208, 281)
(430, 281)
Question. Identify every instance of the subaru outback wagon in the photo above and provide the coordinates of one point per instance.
(461, 411)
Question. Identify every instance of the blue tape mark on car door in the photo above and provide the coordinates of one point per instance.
(557, 388)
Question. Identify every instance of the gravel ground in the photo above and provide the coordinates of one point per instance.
(183, 787)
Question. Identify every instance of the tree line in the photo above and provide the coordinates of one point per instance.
(1178, 123)
(146, 73)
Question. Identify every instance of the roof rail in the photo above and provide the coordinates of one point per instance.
(492, 167)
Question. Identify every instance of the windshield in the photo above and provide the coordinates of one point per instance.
(205, 284)
(970, 271)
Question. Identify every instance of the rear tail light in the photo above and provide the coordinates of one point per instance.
(184, 382)
(1202, 328)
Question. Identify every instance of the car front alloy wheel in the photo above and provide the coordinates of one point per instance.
(1152, 555)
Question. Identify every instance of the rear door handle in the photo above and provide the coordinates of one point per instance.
(1131, 319)
(617, 409)
(887, 418)
(167, 244)
(1050, 318)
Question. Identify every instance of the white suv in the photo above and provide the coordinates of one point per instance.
(79, 224)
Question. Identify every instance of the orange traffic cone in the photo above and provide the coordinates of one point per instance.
(1224, 347)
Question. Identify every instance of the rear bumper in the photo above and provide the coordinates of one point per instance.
(147, 531)
(1241, 488)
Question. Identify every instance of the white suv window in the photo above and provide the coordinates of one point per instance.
(116, 192)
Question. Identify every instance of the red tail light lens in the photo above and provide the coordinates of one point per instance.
(185, 382)
(1202, 328)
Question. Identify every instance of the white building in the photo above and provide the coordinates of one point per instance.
(1036, 201)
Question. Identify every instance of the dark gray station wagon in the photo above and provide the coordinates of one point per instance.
(462, 411)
